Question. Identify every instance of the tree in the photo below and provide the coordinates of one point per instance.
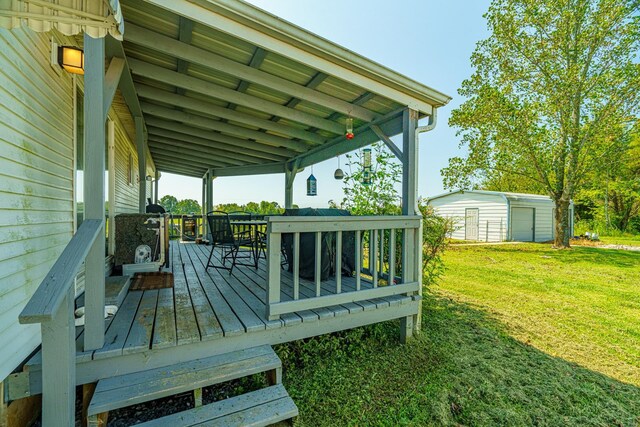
(187, 207)
(378, 198)
(552, 85)
(168, 202)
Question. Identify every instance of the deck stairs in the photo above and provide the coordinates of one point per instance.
(257, 408)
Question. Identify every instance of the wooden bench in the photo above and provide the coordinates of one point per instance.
(257, 408)
(126, 390)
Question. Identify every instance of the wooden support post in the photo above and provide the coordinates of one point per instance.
(94, 165)
(274, 376)
(209, 197)
(197, 397)
(19, 413)
(409, 207)
(155, 192)
(98, 420)
(142, 164)
(59, 363)
(274, 241)
(289, 177)
(205, 224)
(111, 162)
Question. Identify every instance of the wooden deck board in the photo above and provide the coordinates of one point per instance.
(209, 325)
(227, 319)
(186, 325)
(250, 320)
(118, 331)
(210, 305)
(139, 338)
(164, 331)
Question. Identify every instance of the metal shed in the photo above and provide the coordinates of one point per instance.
(493, 216)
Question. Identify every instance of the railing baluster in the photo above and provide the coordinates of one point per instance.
(358, 258)
(392, 256)
(381, 252)
(373, 242)
(296, 266)
(318, 261)
(339, 262)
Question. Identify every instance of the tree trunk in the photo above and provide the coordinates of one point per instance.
(563, 231)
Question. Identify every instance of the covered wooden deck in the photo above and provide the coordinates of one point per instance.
(210, 312)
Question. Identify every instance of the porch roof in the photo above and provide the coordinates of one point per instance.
(222, 84)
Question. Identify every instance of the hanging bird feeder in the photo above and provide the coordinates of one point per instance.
(366, 166)
(349, 134)
(312, 185)
(338, 174)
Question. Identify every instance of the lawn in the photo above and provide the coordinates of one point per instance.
(513, 335)
(626, 239)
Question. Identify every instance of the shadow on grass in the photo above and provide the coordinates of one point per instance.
(464, 369)
(583, 254)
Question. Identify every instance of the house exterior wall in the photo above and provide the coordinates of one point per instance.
(492, 211)
(36, 180)
(37, 173)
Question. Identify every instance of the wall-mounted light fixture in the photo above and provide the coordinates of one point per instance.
(71, 59)
(149, 178)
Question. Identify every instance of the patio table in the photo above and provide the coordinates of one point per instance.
(253, 225)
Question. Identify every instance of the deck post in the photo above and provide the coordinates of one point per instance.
(59, 364)
(94, 165)
(274, 242)
(289, 177)
(155, 188)
(142, 164)
(410, 207)
(209, 200)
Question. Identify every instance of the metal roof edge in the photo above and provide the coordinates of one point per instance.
(504, 194)
(284, 30)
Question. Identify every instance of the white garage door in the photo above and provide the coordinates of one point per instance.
(522, 224)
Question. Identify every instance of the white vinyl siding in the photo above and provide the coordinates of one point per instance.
(492, 214)
(36, 180)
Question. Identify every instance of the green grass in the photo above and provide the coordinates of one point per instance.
(626, 239)
(513, 335)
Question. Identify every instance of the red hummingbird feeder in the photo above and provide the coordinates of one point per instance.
(349, 134)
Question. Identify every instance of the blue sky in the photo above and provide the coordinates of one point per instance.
(427, 40)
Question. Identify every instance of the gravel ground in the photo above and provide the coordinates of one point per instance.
(135, 414)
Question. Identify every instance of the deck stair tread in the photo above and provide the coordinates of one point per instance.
(257, 408)
(125, 390)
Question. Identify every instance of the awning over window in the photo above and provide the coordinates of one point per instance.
(70, 17)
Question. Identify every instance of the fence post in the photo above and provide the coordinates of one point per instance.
(273, 269)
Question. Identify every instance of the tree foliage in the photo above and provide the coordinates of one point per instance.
(187, 207)
(554, 92)
(381, 197)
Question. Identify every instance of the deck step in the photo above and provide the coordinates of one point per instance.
(257, 408)
(126, 390)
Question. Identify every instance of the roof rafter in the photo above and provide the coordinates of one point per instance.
(178, 148)
(240, 145)
(217, 125)
(207, 147)
(184, 51)
(173, 78)
(208, 108)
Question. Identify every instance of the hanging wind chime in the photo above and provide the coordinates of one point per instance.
(366, 166)
(338, 174)
(312, 185)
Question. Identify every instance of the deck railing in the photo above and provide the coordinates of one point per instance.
(52, 306)
(381, 232)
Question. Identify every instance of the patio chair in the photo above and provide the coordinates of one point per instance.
(222, 236)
